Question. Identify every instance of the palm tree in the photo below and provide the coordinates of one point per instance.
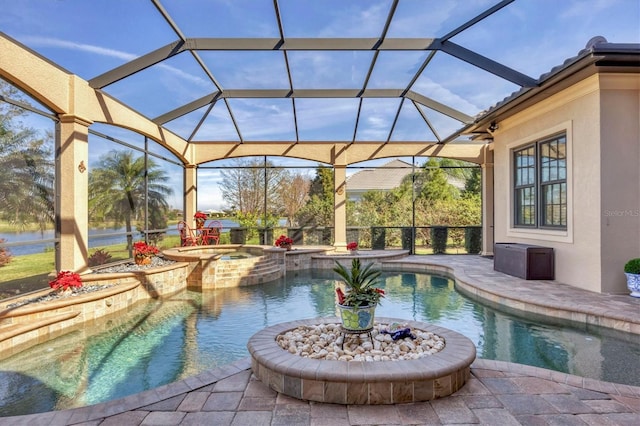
(26, 177)
(117, 189)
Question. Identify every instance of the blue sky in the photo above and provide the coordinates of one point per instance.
(89, 38)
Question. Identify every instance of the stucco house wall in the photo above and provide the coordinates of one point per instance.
(599, 116)
(620, 178)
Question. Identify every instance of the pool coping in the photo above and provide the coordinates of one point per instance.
(538, 297)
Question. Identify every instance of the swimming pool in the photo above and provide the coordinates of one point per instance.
(169, 340)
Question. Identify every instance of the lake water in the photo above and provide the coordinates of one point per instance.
(94, 240)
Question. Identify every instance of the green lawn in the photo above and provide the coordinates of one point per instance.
(26, 273)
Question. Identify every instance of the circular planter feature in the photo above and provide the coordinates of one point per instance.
(360, 382)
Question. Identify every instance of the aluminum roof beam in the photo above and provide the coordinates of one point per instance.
(310, 44)
(317, 94)
(283, 44)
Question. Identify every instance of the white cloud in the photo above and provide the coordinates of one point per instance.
(71, 45)
(444, 95)
(586, 10)
(377, 122)
(107, 52)
(355, 23)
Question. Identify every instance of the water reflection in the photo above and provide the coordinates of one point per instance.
(164, 341)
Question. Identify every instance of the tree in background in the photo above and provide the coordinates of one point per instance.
(117, 189)
(158, 217)
(247, 184)
(318, 210)
(294, 193)
(379, 208)
(437, 201)
(26, 168)
(473, 183)
(433, 183)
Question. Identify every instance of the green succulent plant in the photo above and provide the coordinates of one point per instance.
(360, 284)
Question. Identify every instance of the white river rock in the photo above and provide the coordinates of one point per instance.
(324, 342)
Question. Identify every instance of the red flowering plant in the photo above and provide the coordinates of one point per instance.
(360, 285)
(142, 249)
(283, 241)
(352, 246)
(66, 280)
(200, 215)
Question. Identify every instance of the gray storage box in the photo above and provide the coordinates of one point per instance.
(524, 261)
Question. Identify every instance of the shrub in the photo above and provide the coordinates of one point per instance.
(5, 254)
(632, 266)
(99, 257)
(408, 236)
(473, 240)
(378, 236)
(439, 236)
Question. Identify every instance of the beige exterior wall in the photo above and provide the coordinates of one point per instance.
(620, 180)
(601, 126)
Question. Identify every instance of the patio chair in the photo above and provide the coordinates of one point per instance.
(187, 236)
(213, 234)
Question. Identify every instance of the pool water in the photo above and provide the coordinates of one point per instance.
(164, 341)
(235, 255)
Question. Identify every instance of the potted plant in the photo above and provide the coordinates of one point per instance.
(284, 242)
(357, 305)
(632, 271)
(352, 247)
(143, 252)
(200, 217)
(66, 281)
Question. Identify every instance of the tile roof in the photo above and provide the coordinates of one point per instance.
(384, 178)
(597, 51)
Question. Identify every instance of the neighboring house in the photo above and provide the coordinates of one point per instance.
(384, 178)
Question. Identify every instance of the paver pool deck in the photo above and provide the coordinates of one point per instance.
(498, 393)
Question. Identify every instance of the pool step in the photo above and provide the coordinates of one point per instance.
(247, 272)
(253, 262)
(7, 331)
